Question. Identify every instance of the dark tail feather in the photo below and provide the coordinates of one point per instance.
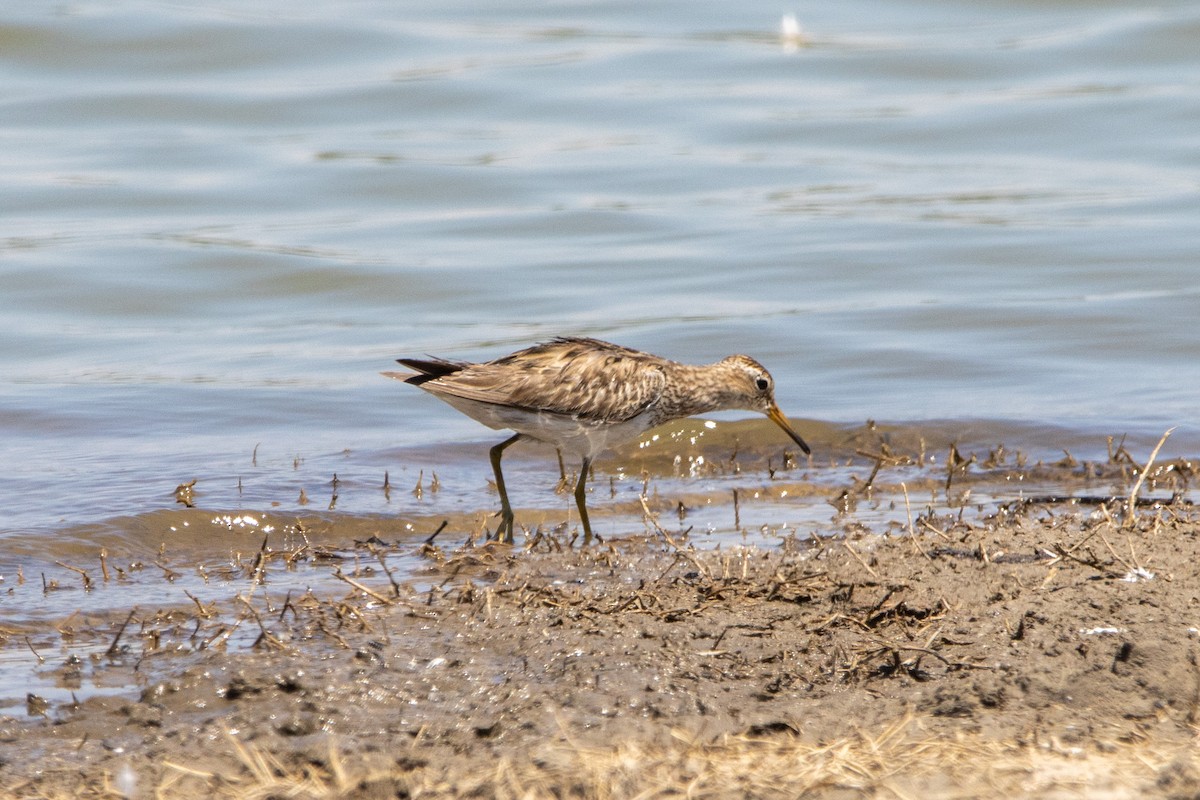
(428, 370)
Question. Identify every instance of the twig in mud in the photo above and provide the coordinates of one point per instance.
(908, 509)
(1120, 455)
(202, 611)
(185, 493)
(829, 621)
(266, 636)
(195, 773)
(996, 458)
(258, 569)
(872, 617)
(87, 579)
(870, 482)
(104, 564)
(1124, 564)
(953, 460)
(263, 767)
(941, 534)
(300, 552)
(912, 533)
(898, 648)
(36, 654)
(1066, 552)
(344, 610)
(845, 503)
(333, 635)
(112, 648)
(859, 559)
(387, 601)
(653, 519)
(1091, 561)
(717, 642)
(884, 456)
(671, 566)
(1131, 509)
(379, 554)
(440, 528)
(1068, 461)
(223, 633)
(635, 598)
(169, 574)
(683, 553)
(1137, 565)
(287, 603)
(333, 496)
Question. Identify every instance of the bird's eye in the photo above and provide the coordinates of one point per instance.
(762, 384)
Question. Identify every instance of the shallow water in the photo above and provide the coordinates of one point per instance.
(219, 225)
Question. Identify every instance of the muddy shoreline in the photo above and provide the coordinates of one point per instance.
(1037, 648)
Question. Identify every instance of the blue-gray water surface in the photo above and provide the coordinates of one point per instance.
(220, 221)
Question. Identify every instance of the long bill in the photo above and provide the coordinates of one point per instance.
(779, 419)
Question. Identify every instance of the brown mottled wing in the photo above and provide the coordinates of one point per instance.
(584, 378)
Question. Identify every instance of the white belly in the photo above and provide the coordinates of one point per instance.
(581, 438)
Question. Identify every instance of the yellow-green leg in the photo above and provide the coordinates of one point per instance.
(504, 532)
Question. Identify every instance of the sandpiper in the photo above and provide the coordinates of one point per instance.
(585, 396)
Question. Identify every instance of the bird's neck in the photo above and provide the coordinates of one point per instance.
(691, 390)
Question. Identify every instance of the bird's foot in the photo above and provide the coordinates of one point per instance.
(504, 531)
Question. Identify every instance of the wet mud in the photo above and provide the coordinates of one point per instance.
(1039, 646)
